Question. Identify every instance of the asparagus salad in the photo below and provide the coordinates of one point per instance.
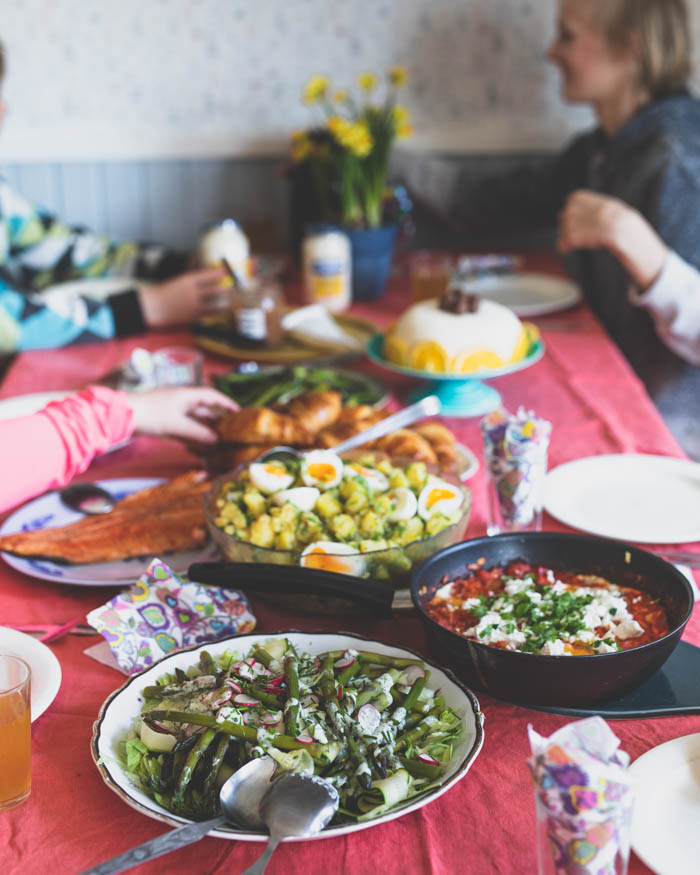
(369, 723)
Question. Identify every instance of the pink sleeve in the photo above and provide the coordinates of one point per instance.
(48, 448)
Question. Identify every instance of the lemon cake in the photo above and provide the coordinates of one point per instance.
(428, 337)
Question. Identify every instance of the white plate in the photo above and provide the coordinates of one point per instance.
(666, 814)
(647, 499)
(123, 706)
(25, 405)
(527, 294)
(46, 669)
(47, 511)
(467, 462)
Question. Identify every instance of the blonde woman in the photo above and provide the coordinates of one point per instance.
(626, 196)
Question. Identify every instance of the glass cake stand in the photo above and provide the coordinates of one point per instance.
(460, 395)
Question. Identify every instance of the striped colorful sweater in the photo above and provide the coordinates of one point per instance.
(37, 250)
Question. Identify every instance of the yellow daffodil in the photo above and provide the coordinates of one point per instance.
(400, 115)
(367, 81)
(404, 131)
(397, 76)
(316, 88)
(340, 96)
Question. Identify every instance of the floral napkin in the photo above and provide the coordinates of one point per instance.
(163, 611)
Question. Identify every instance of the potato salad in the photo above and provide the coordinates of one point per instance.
(332, 511)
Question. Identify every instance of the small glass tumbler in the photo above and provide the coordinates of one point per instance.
(569, 845)
(429, 274)
(515, 490)
(177, 366)
(15, 731)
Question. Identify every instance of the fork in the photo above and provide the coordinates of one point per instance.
(53, 631)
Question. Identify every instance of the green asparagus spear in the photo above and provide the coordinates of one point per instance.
(291, 717)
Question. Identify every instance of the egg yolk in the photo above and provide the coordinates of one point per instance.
(321, 471)
(436, 495)
(318, 558)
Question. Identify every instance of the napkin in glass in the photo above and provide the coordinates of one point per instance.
(584, 799)
(163, 611)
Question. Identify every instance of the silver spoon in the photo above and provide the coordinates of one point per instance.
(87, 498)
(428, 406)
(240, 799)
(295, 805)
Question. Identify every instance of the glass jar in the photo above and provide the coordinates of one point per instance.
(256, 314)
(326, 260)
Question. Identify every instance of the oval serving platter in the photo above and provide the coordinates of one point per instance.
(123, 706)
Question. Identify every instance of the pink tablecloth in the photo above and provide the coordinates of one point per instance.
(485, 824)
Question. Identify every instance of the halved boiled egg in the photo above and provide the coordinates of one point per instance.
(405, 504)
(333, 556)
(438, 496)
(303, 497)
(270, 476)
(375, 480)
(322, 469)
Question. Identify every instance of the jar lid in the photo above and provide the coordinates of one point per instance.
(322, 228)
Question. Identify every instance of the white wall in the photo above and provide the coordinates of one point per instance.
(124, 79)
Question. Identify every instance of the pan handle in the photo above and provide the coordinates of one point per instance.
(270, 578)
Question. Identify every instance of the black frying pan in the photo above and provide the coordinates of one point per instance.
(531, 678)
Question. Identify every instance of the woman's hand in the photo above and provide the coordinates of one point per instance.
(595, 221)
(184, 299)
(184, 412)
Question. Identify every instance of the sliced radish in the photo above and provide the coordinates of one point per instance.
(243, 670)
(344, 662)
(226, 695)
(275, 682)
(424, 758)
(245, 701)
(310, 700)
(410, 675)
(246, 717)
(369, 719)
(160, 728)
(317, 663)
(271, 718)
(304, 739)
(339, 692)
(236, 687)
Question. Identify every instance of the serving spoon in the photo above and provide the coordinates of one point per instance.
(294, 806)
(240, 797)
(428, 406)
(87, 498)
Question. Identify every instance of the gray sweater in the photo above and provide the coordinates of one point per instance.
(653, 164)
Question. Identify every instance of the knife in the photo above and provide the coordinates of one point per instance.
(266, 577)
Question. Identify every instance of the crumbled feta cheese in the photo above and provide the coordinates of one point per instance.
(385, 681)
(628, 628)
(318, 733)
(445, 592)
(553, 648)
(514, 585)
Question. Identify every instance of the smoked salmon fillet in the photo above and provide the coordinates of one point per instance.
(162, 518)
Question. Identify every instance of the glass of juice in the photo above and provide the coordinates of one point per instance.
(15, 731)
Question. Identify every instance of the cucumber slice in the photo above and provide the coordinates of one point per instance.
(276, 647)
(162, 742)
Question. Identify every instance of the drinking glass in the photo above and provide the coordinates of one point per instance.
(430, 274)
(15, 731)
(177, 366)
(515, 491)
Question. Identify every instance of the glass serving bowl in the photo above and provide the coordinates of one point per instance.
(392, 565)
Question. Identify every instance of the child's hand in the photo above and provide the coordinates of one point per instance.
(184, 412)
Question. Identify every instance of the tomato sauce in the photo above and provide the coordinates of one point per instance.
(449, 611)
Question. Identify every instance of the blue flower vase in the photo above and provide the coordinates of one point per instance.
(372, 250)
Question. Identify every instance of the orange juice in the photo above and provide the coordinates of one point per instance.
(15, 735)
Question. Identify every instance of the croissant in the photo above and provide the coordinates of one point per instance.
(408, 444)
(442, 441)
(261, 425)
(315, 410)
